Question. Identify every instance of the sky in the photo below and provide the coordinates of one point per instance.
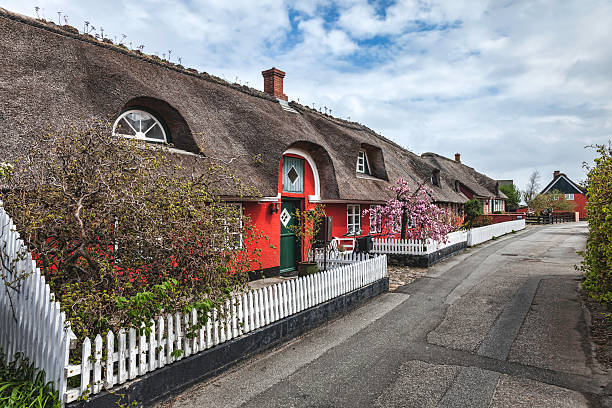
(514, 86)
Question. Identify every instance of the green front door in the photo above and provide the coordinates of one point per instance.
(289, 244)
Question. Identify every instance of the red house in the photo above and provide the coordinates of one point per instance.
(573, 192)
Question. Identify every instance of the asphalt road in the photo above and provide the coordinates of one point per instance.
(500, 325)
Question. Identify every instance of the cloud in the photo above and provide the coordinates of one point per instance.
(513, 86)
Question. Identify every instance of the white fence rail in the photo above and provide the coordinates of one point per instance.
(336, 260)
(30, 319)
(399, 246)
(482, 234)
(31, 322)
(473, 237)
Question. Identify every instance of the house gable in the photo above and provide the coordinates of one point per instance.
(564, 185)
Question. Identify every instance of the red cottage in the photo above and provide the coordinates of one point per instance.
(573, 192)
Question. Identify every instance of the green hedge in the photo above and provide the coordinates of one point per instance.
(597, 264)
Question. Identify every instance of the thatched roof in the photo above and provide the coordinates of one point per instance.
(51, 77)
(480, 184)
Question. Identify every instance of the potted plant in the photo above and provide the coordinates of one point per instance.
(306, 230)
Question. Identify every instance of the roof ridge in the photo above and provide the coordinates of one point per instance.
(73, 32)
(69, 31)
(350, 125)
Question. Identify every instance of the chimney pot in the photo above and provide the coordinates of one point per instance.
(458, 157)
(273, 83)
(556, 174)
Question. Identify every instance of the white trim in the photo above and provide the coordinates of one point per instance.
(369, 177)
(552, 183)
(140, 135)
(313, 167)
(375, 220)
(364, 165)
(358, 214)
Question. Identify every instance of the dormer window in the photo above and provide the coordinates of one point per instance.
(141, 125)
(435, 177)
(362, 163)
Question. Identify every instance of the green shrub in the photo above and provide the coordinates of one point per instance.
(472, 210)
(124, 231)
(597, 263)
(23, 385)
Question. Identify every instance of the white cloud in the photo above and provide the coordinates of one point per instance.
(513, 86)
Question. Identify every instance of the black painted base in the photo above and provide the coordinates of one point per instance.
(264, 273)
(165, 382)
(426, 260)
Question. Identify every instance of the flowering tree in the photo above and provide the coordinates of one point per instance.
(412, 214)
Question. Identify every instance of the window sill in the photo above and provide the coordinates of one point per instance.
(368, 177)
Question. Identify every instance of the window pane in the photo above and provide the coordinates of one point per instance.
(134, 119)
(146, 122)
(123, 128)
(155, 133)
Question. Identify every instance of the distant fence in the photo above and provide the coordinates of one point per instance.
(550, 218)
(31, 322)
(471, 237)
(482, 234)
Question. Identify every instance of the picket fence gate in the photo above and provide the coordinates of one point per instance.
(41, 332)
(338, 259)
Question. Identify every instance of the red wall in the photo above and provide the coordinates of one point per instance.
(581, 201)
(268, 224)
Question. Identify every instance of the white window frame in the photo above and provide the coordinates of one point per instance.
(569, 197)
(375, 221)
(363, 163)
(226, 226)
(353, 219)
(140, 134)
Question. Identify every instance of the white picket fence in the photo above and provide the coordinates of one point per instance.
(30, 319)
(39, 330)
(482, 234)
(473, 237)
(399, 246)
(129, 354)
(338, 259)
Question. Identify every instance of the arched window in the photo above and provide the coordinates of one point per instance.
(141, 125)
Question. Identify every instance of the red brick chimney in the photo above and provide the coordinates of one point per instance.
(273, 83)
(458, 157)
(556, 174)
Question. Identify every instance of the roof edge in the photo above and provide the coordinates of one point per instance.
(151, 59)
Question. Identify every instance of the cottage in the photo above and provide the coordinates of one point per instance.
(573, 192)
(294, 156)
(469, 182)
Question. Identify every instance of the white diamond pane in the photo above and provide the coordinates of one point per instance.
(285, 217)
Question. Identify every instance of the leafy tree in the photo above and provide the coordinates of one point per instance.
(473, 209)
(597, 263)
(532, 188)
(412, 214)
(125, 231)
(514, 196)
(552, 201)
